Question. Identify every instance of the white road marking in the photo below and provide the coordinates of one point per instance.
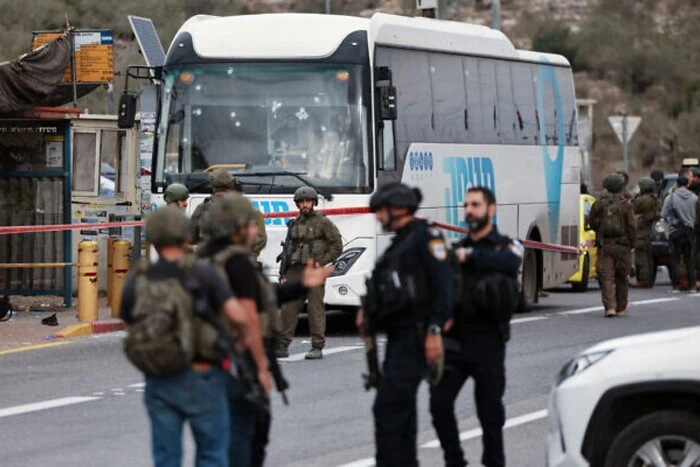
(464, 436)
(99, 393)
(297, 357)
(527, 320)
(44, 405)
(139, 390)
(600, 308)
(137, 385)
(510, 423)
(117, 389)
(368, 462)
(120, 394)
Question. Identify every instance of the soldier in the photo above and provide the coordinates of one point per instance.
(612, 218)
(409, 296)
(476, 345)
(626, 190)
(647, 209)
(176, 195)
(310, 237)
(658, 177)
(223, 182)
(231, 229)
(176, 313)
(261, 240)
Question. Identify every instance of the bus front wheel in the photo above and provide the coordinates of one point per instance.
(530, 278)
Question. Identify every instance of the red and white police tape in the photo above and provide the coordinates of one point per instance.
(20, 229)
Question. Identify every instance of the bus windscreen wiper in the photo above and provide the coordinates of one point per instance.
(277, 172)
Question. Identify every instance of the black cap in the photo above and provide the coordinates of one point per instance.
(657, 175)
(682, 181)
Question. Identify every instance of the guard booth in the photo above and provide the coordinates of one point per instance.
(35, 174)
(60, 167)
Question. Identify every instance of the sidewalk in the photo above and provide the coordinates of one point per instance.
(24, 328)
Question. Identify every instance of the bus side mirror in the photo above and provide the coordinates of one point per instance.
(127, 110)
(387, 102)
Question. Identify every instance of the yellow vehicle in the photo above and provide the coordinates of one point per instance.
(587, 261)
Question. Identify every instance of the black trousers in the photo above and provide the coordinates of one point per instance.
(395, 419)
(480, 355)
(682, 250)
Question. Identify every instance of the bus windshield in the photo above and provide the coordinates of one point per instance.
(272, 125)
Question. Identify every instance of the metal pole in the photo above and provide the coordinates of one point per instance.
(328, 7)
(624, 144)
(496, 14)
(72, 68)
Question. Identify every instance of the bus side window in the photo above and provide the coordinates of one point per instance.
(386, 159)
(489, 101)
(449, 100)
(568, 100)
(506, 110)
(524, 93)
(472, 111)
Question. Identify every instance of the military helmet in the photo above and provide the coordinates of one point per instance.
(646, 185)
(396, 195)
(226, 214)
(304, 193)
(221, 179)
(167, 226)
(176, 192)
(614, 183)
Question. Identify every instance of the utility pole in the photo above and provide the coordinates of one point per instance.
(328, 7)
(496, 14)
(625, 140)
(428, 8)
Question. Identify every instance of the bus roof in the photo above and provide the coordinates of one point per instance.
(308, 36)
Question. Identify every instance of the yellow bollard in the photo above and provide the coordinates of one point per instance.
(110, 269)
(87, 281)
(121, 265)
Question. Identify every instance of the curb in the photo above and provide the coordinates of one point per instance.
(97, 327)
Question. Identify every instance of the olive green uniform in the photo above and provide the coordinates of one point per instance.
(197, 237)
(313, 237)
(615, 257)
(647, 209)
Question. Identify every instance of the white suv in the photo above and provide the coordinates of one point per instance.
(629, 402)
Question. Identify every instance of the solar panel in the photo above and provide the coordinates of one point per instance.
(148, 40)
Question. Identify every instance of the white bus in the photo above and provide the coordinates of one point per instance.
(284, 100)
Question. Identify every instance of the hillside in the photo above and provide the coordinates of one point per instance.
(638, 56)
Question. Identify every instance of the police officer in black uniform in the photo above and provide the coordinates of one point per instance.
(475, 343)
(411, 293)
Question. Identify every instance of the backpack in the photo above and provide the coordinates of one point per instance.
(613, 222)
(161, 339)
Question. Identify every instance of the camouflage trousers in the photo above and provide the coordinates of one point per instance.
(614, 263)
(315, 310)
(644, 262)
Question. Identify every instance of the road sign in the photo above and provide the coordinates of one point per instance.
(94, 55)
(624, 127)
(426, 4)
(618, 123)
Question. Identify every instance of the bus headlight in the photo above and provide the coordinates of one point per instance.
(346, 260)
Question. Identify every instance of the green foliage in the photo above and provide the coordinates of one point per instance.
(556, 39)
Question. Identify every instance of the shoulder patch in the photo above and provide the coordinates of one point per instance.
(517, 248)
(438, 249)
(434, 231)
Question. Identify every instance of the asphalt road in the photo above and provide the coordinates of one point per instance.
(81, 403)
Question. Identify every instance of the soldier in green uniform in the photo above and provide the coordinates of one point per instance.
(223, 182)
(626, 189)
(176, 195)
(612, 219)
(647, 209)
(310, 237)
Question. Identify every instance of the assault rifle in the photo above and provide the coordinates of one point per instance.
(283, 257)
(242, 365)
(281, 384)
